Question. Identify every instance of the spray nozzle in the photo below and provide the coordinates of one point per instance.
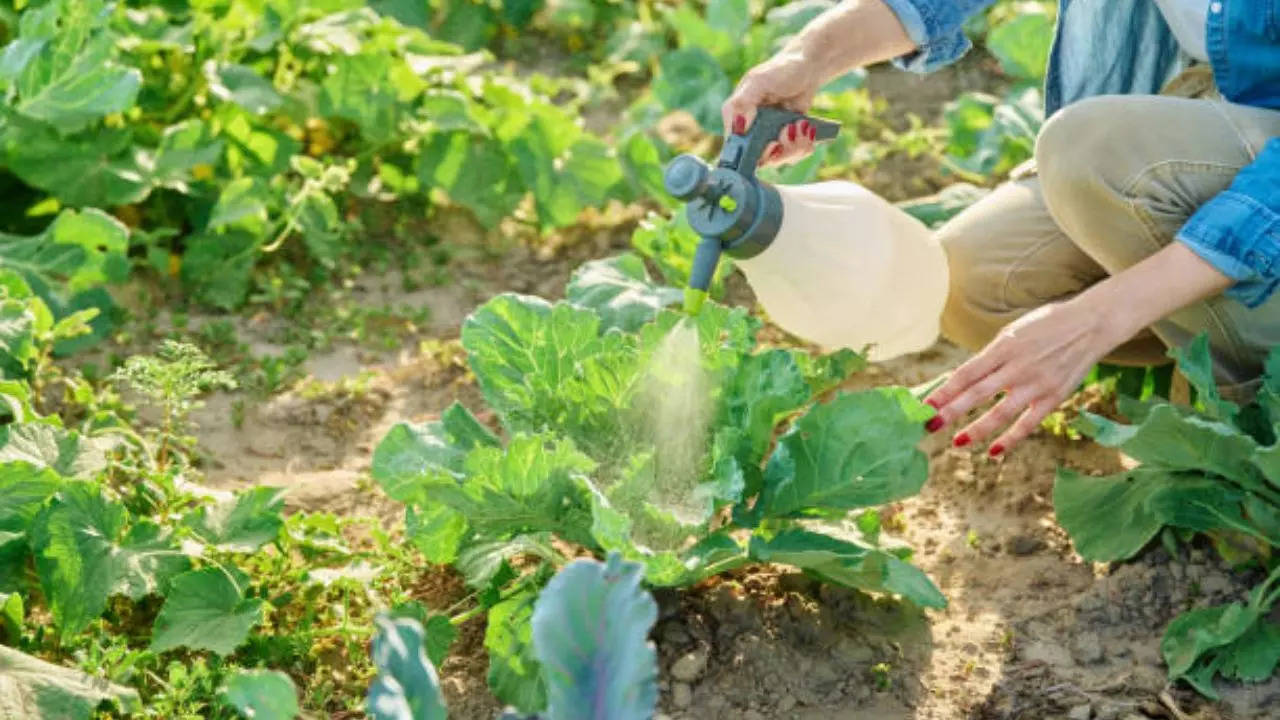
(705, 260)
(733, 211)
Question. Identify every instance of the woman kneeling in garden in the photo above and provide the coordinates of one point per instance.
(1151, 212)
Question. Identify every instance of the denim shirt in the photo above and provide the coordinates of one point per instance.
(1125, 47)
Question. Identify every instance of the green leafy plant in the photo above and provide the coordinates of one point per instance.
(594, 454)
(49, 691)
(221, 142)
(262, 695)
(29, 332)
(1210, 469)
(173, 379)
(1020, 40)
(256, 151)
(716, 45)
(991, 135)
(590, 638)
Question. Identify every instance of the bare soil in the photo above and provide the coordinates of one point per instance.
(1031, 632)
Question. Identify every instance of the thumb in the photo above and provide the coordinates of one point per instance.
(739, 111)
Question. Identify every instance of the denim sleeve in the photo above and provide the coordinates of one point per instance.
(937, 29)
(1238, 231)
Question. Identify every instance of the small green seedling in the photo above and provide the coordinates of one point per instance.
(880, 672)
(173, 379)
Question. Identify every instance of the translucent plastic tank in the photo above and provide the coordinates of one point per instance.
(849, 269)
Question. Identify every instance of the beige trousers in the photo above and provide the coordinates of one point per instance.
(1115, 178)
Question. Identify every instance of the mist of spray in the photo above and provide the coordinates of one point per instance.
(678, 405)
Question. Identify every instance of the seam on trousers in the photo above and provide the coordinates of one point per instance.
(1199, 166)
(1019, 264)
(1221, 109)
(1132, 197)
(1153, 235)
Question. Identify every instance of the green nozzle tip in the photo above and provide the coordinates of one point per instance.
(693, 299)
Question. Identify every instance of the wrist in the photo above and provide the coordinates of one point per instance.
(852, 34)
(1111, 319)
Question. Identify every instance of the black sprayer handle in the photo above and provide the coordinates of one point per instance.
(742, 152)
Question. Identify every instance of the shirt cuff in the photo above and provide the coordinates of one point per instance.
(931, 53)
(1238, 236)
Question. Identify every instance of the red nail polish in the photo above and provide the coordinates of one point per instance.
(813, 133)
(739, 124)
(996, 450)
(791, 133)
(932, 403)
(804, 128)
(934, 424)
(777, 152)
(961, 440)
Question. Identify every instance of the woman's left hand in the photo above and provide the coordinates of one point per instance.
(1037, 361)
(1040, 358)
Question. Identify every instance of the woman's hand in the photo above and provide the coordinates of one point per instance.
(1040, 358)
(787, 80)
(1037, 361)
(851, 34)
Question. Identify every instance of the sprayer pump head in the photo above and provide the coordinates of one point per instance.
(728, 206)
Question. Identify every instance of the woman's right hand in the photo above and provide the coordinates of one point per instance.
(787, 80)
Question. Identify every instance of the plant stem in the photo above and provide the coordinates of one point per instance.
(506, 595)
(724, 565)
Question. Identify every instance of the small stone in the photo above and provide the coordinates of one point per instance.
(1215, 584)
(681, 695)
(1086, 648)
(1148, 678)
(852, 652)
(690, 666)
(1107, 711)
(824, 674)
(786, 704)
(675, 634)
(752, 715)
(1195, 573)
(1025, 545)
(1080, 712)
(1090, 603)
(1047, 653)
(661, 716)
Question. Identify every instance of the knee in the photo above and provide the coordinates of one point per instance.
(1072, 155)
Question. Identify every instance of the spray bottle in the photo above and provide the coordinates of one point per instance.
(831, 262)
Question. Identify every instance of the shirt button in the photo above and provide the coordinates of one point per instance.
(1215, 7)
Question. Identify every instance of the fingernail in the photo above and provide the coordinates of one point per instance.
(813, 133)
(932, 403)
(961, 440)
(804, 128)
(777, 152)
(791, 132)
(996, 450)
(934, 424)
(739, 124)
